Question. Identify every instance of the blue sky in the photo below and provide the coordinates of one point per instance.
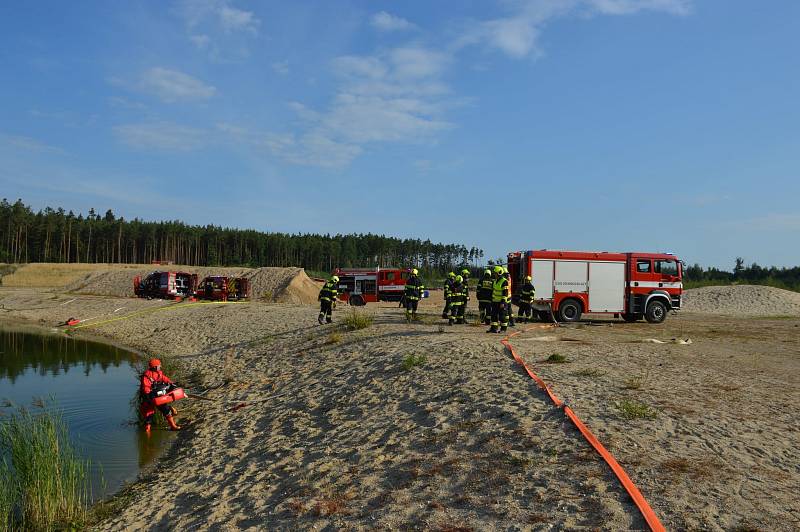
(654, 125)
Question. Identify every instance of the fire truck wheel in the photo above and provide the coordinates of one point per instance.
(570, 310)
(656, 312)
(357, 301)
(630, 318)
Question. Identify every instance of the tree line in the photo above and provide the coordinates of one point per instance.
(787, 278)
(56, 235)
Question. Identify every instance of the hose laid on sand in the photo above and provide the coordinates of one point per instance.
(163, 307)
(645, 509)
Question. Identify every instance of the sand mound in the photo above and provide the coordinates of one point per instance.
(743, 300)
(286, 285)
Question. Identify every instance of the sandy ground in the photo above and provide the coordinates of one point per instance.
(346, 437)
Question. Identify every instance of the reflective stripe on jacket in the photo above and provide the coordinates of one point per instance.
(329, 292)
(414, 289)
(500, 290)
(484, 291)
(527, 293)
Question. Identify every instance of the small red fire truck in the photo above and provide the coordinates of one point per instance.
(569, 283)
(222, 288)
(165, 285)
(360, 286)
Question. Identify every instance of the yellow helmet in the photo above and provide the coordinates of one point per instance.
(465, 272)
(451, 275)
(487, 271)
(498, 270)
(459, 278)
(528, 277)
(414, 271)
(335, 279)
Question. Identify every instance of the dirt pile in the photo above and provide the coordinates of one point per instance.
(285, 285)
(742, 300)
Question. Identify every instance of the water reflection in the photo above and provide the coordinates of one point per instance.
(95, 386)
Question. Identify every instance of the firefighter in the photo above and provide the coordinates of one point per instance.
(458, 300)
(153, 384)
(509, 308)
(526, 296)
(327, 300)
(484, 295)
(412, 295)
(500, 298)
(448, 290)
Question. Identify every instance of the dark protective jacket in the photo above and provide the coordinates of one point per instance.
(151, 377)
(448, 288)
(500, 293)
(414, 288)
(329, 292)
(527, 293)
(484, 291)
(458, 296)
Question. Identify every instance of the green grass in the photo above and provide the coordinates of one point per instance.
(635, 410)
(589, 372)
(43, 482)
(355, 320)
(334, 337)
(412, 361)
(556, 358)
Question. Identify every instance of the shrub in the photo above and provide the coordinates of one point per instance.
(556, 358)
(355, 320)
(412, 361)
(635, 410)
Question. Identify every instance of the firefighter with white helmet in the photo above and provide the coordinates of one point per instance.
(413, 293)
(327, 299)
(526, 296)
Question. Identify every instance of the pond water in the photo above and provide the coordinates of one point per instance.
(95, 386)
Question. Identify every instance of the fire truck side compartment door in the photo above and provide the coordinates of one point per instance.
(606, 286)
(571, 276)
(542, 276)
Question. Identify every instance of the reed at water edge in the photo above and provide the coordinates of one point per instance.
(44, 484)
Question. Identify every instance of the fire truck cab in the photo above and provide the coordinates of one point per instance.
(359, 286)
(632, 285)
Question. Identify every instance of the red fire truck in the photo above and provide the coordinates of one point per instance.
(360, 286)
(222, 288)
(165, 285)
(569, 283)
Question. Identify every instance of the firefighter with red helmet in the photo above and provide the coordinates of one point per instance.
(413, 293)
(327, 300)
(153, 384)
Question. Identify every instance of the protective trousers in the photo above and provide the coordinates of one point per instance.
(456, 312)
(499, 315)
(147, 409)
(411, 308)
(525, 313)
(485, 308)
(325, 310)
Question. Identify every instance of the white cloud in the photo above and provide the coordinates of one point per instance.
(384, 21)
(161, 136)
(517, 35)
(233, 19)
(200, 41)
(19, 142)
(171, 85)
(281, 67)
(312, 149)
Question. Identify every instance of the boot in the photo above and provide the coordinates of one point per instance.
(328, 320)
(320, 319)
(172, 424)
(503, 329)
(493, 329)
(450, 321)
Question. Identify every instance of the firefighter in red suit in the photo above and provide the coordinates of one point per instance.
(153, 382)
